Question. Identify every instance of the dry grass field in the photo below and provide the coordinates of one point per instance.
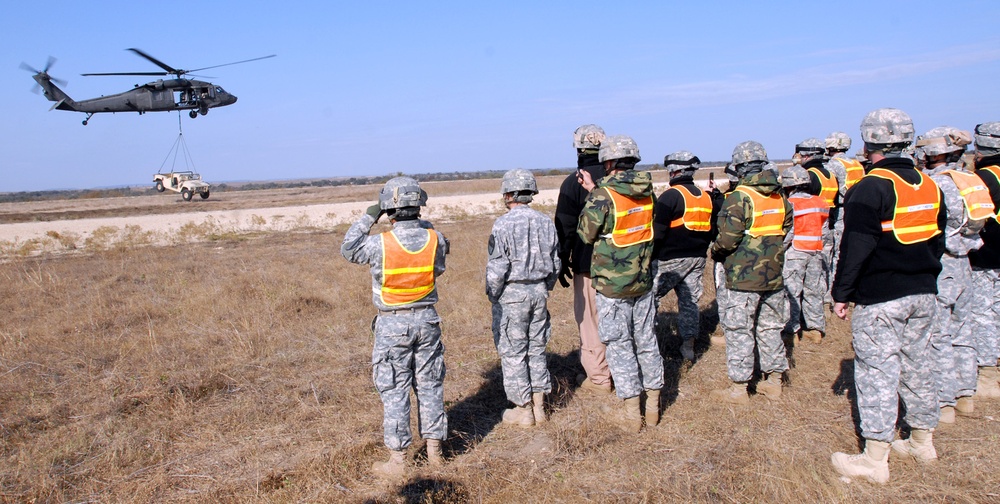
(237, 370)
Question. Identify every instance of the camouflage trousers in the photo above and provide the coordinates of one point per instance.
(626, 328)
(892, 361)
(521, 330)
(682, 275)
(952, 344)
(805, 275)
(986, 323)
(408, 354)
(753, 319)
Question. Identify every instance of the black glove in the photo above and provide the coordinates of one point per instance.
(375, 211)
(565, 273)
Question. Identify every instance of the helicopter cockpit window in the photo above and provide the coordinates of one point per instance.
(218, 90)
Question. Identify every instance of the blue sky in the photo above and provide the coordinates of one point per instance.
(370, 88)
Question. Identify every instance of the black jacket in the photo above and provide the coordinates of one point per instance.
(988, 256)
(672, 243)
(874, 267)
(572, 196)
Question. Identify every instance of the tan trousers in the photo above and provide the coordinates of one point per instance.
(591, 349)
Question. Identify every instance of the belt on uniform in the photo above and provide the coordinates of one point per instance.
(400, 311)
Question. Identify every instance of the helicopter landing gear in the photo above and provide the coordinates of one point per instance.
(192, 114)
(89, 115)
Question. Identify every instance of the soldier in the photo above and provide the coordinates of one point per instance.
(889, 264)
(405, 263)
(804, 270)
(575, 256)
(618, 220)
(682, 229)
(522, 268)
(848, 172)
(752, 223)
(940, 151)
(986, 266)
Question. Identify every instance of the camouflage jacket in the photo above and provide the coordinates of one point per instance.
(751, 264)
(616, 272)
(962, 234)
(523, 248)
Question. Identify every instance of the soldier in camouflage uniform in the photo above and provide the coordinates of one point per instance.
(848, 171)
(889, 264)
(405, 263)
(683, 228)
(522, 267)
(617, 220)
(804, 270)
(986, 266)
(752, 223)
(940, 153)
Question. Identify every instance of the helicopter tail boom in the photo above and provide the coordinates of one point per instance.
(53, 93)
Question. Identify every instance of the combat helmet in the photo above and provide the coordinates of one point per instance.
(987, 137)
(681, 161)
(794, 176)
(588, 137)
(943, 140)
(888, 130)
(838, 141)
(810, 147)
(402, 197)
(621, 149)
(520, 182)
(749, 157)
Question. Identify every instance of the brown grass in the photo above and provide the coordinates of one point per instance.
(238, 370)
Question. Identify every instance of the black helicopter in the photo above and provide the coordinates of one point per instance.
(158, 96)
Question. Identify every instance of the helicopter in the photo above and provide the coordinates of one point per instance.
(162, 95)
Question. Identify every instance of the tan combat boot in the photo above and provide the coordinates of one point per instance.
(586, 384)
(627, 415)
(920, 446)
(521, 416)
(687, 349)
(873, 463)
(813, 336)
(393, 468)
(771, 387)
(434, 456)
(652, 411)
(964, 406)
(538, 407)
(986, 384)
(947, 415)
(735, 394)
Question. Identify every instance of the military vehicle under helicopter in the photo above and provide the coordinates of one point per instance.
(163, 95)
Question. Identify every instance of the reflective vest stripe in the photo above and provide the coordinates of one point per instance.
(914, 218)
(767, 213)
(407, 276)
(828, 185)
(633, 221)
(853, 169)
(976, 196)
(995, 171)
(697, 211)
(811, 214)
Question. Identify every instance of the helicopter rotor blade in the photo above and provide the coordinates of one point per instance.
(157, 62)
(25, 66)
(233, 63)
(36, 88)
(125, 73)
(49, 63)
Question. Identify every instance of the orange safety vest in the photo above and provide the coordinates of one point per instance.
(854, 171)
(914, 219)
(975, 194)
(767, 213)
(697, 211)
(829, 187)
(995, 171)
(633, 221)
(810, 214)
(407, 276)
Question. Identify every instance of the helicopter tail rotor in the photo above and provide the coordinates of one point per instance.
(43, 73)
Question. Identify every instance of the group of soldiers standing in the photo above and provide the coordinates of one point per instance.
(906, 234)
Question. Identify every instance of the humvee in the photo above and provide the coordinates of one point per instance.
(185, 182)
